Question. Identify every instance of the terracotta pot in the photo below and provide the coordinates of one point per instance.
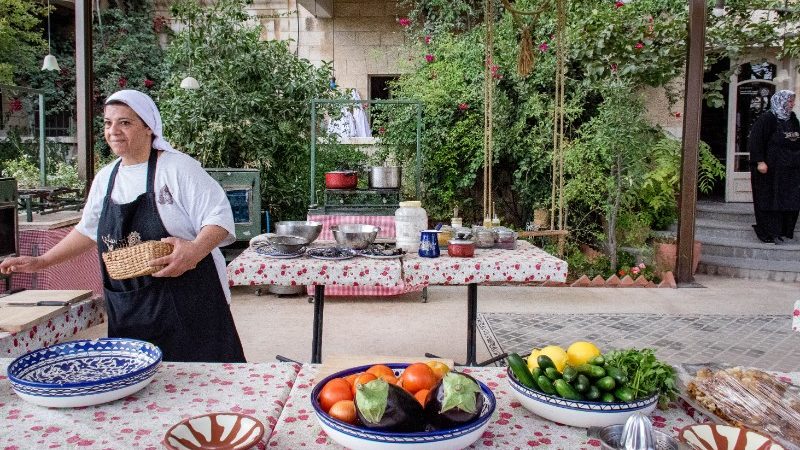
(666, 256)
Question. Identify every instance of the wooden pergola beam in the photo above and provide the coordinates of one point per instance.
(84, 81)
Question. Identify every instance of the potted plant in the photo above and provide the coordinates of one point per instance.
(665, 253)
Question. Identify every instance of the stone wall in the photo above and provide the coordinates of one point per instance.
(362, 38)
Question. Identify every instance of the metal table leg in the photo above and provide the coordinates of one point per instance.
(316, 340)
(472, 322)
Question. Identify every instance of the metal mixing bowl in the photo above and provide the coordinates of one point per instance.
(610, 438)
(307, 230)
(287, 244)
(355, 236)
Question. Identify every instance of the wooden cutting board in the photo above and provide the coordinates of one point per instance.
(17, 318)
(34, 296)
(335, 363)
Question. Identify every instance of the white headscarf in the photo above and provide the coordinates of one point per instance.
(779, 105)
(146, 109)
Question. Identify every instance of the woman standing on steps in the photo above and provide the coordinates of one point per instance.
(774, 147)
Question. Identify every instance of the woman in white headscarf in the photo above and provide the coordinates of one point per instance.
(161, 194)
(774, 146)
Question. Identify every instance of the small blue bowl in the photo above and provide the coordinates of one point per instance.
(83, 373)
(360, 438)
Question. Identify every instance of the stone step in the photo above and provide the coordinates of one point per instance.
(714, 245)
(732, 230)
(726, 212)
(786, 271)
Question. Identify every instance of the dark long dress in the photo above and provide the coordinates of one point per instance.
(776, 194)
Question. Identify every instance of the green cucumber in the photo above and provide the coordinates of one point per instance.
(552, 373)
(544, 362)
(617, 374)
(545, 385)
(607, 397)
(565, 390)
(624, 394)
(520, 370)
(593, 393)
(606, 384)
(598, 360)
(591, 371)
(569, 374)
(582, 383)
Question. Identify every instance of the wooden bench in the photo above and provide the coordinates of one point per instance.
(560, 234)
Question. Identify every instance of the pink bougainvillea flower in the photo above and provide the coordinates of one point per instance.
(404, 22)
(430, 58)
(16, 105)
(635, 270)
(463, 106)
(639, 45)
(619, 4)
(543, 47)
(642, 266)
(122, 82)
(428, 39)
(613, 67)
(677, 114)
(148, 83)
(381, 130)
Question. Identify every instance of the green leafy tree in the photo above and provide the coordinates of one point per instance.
(253, 107)
(21, 43)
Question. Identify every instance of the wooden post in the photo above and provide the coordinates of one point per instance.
(692, 111)
(85, 93)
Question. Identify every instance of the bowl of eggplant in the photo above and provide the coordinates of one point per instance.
(452, 415)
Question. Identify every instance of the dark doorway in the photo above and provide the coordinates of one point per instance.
(379, 86)
(714, 127)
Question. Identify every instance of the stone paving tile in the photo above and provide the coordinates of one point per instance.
(764, 341)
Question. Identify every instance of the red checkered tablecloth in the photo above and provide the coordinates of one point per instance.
(82, 272)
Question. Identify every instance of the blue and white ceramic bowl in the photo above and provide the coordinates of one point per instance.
(83, 373)
(360, 438)
(583, 414)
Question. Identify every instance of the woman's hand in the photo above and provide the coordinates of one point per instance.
(185, 256)
(762, 167)
(25, 264)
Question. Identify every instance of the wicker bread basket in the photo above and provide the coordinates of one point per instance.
(134, 261)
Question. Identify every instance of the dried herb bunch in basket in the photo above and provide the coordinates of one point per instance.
(130, 258)
(750, 398)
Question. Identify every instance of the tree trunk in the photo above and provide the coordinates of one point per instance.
(611, 236)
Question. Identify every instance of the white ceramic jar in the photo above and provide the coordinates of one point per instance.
(409, 220)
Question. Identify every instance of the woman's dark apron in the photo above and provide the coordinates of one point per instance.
(186, 316)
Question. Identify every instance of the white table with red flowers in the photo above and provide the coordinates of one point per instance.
(511, 426)
(178, 391)
(79, 316)
(525, 264)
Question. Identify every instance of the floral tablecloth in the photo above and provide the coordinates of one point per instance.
(796, 317)
(512, 426)
(251, 268)
(179, 390)
(80, 316)
(526, 263)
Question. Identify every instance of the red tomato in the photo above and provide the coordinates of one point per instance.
(422, 396)
(418, 376)
(335, 390)
(363, 378)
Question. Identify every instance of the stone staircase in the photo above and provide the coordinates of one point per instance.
(731, 248)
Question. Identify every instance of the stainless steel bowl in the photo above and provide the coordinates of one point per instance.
(355, 236)
(287, 244)
(307, 230)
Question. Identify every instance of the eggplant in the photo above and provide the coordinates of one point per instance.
(387, 407)
(454, 401)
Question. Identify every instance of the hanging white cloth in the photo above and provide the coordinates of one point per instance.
(362, 128)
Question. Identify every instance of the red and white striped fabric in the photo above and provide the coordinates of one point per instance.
(82, 272)
(386, 223)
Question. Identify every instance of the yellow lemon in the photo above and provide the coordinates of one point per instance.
(581, 352)
(556, 353)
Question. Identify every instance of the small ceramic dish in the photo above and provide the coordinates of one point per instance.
(709, 436)
(215, 431)
(578, 413)
(361, 438)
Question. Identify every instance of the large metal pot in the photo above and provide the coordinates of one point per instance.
(341, 179)
(384, 177)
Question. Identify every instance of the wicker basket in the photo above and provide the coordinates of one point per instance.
(133, 261)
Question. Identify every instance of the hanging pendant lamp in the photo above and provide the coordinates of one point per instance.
(190, 83)
(50, 62)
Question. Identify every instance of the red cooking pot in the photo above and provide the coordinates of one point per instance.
(341, 179)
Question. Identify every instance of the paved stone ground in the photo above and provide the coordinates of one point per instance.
(764, 341)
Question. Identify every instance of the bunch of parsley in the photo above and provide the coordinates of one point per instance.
(646, 374)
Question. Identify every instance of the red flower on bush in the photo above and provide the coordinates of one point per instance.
(404, 22)
(495, 70)
(430, 58)
(148, 83)
(122, 82)
(613, 67)
(622, 272)
(619, 4)
(677, 114)
(639, 46)
(463, 106)
(428, 39)
(381, 130)
(158, 23)
(543, 47)
(16, 105)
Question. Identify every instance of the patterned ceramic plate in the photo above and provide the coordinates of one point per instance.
(270, 252)
(82, 373)
(709, 436)
(331, 253)
(230, 431)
